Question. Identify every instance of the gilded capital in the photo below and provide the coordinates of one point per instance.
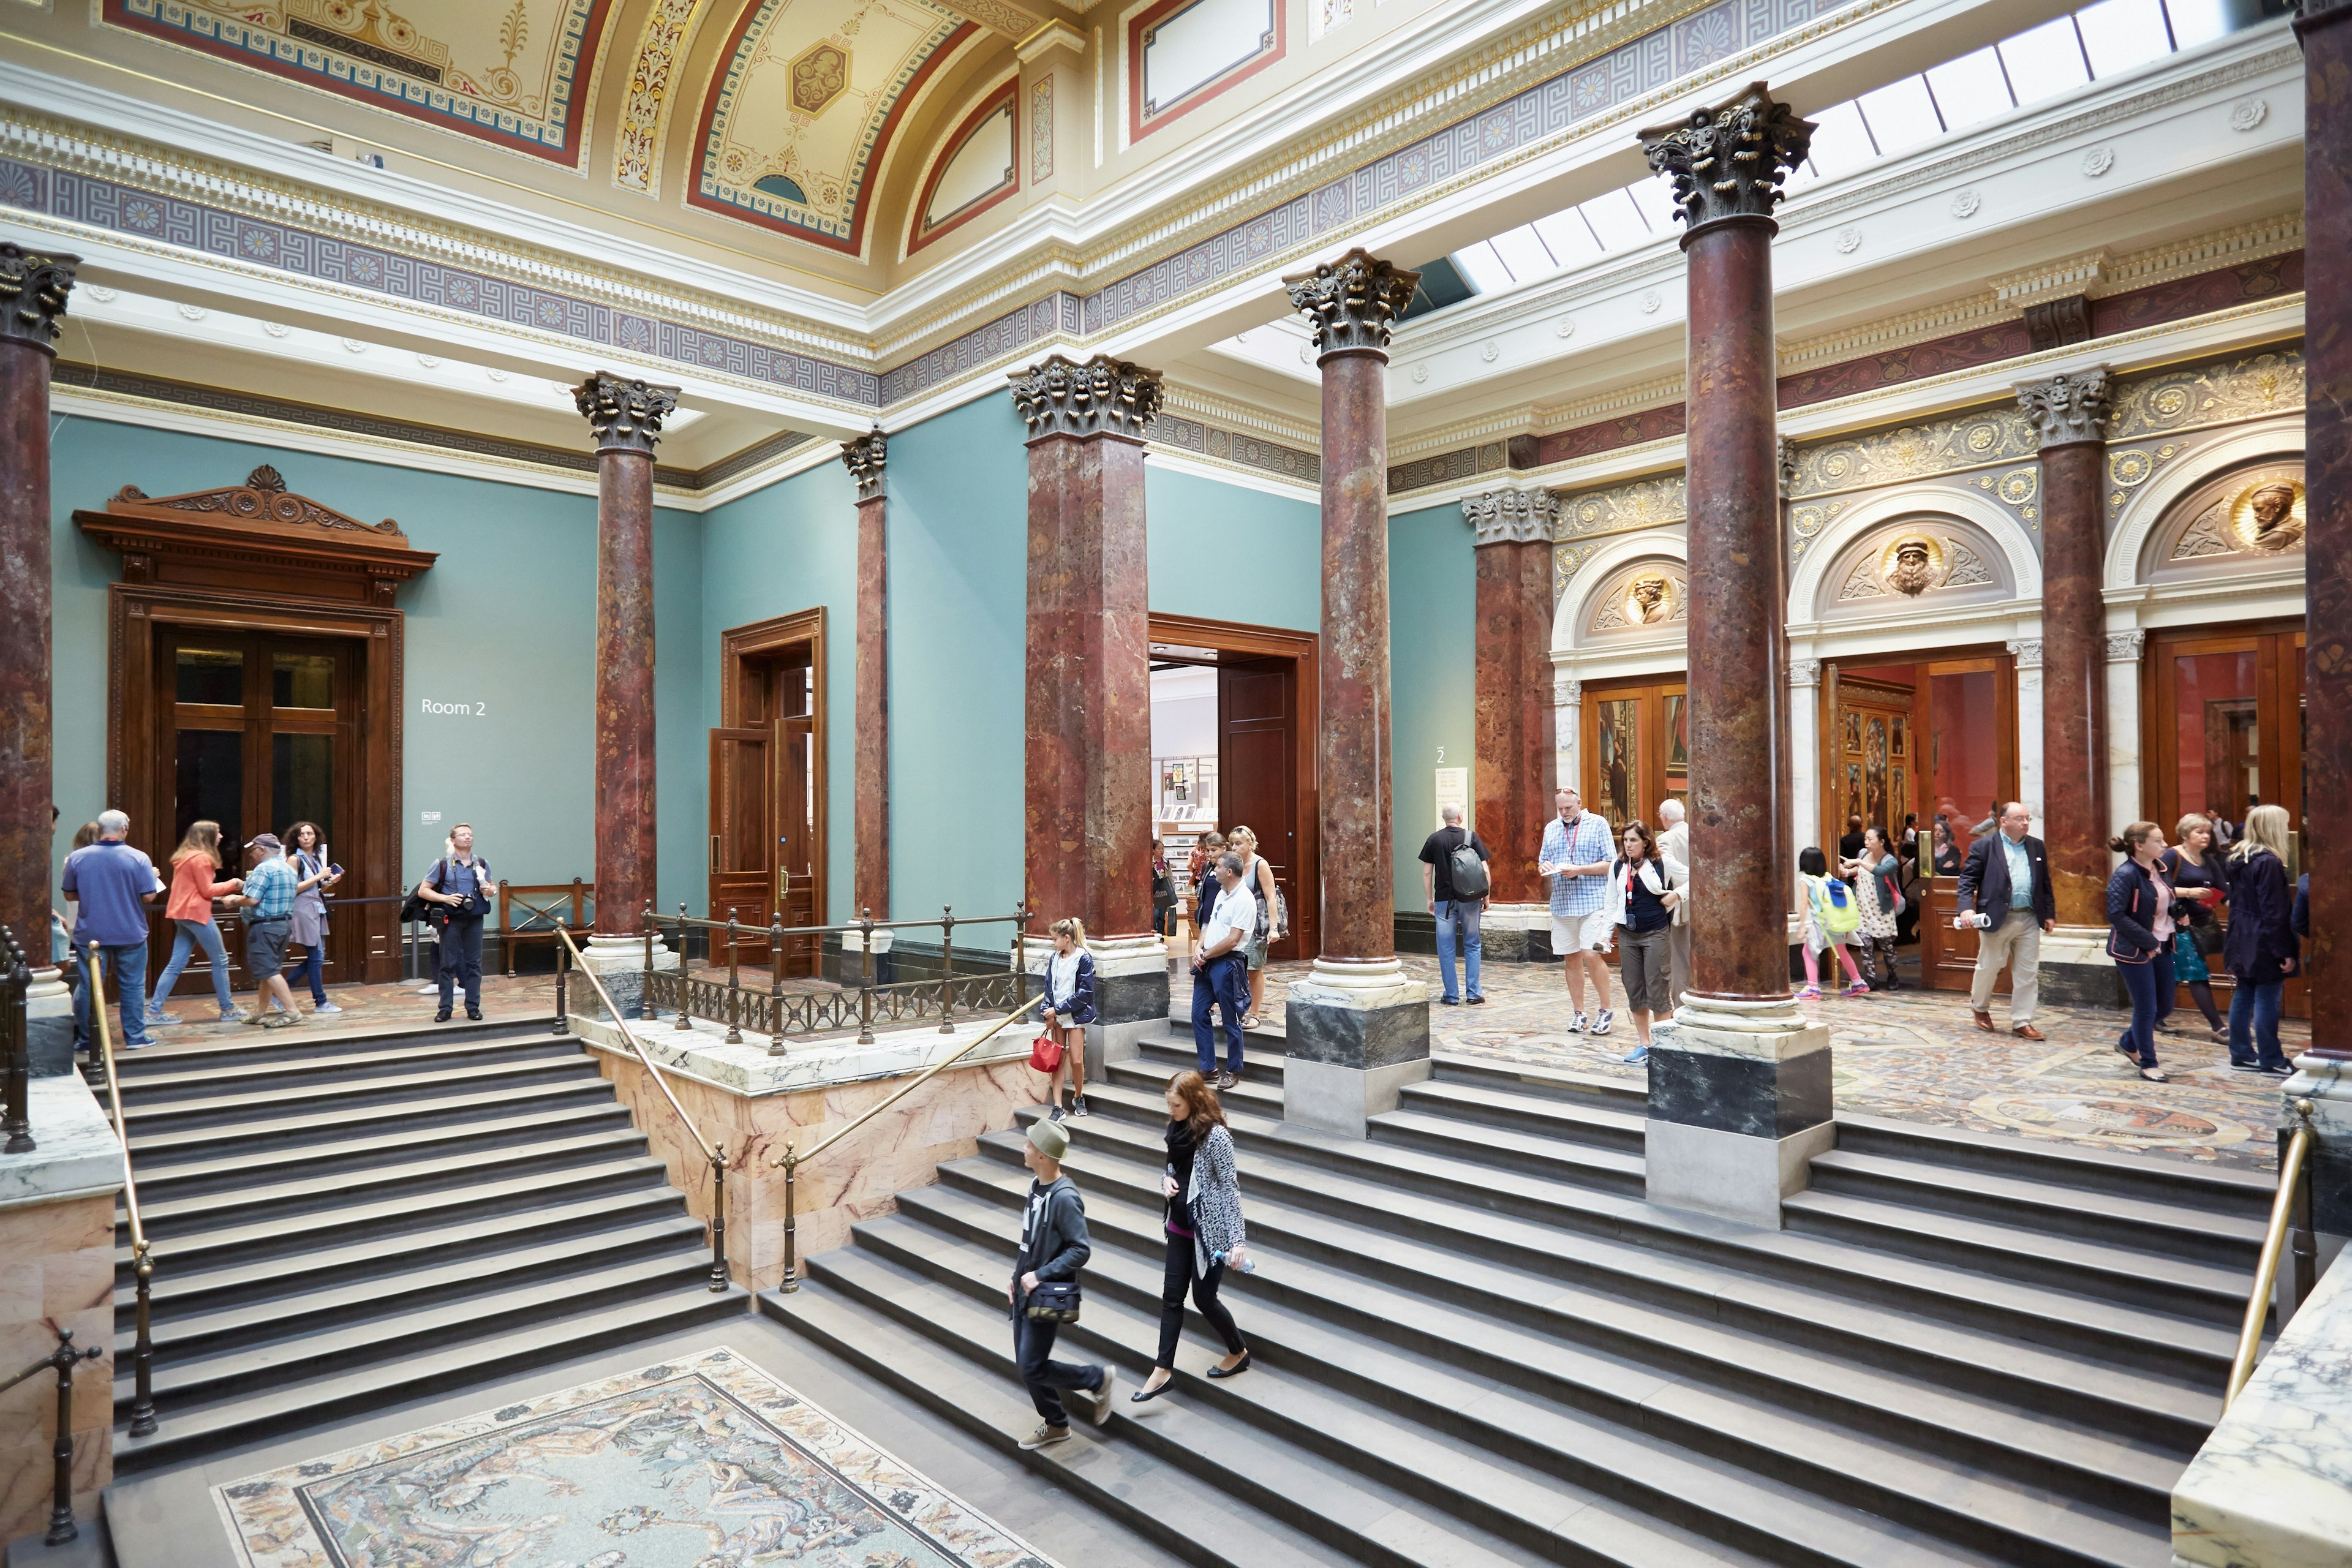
(33, 289)
(626, 416)
(865, 457)
(1510, 517)
(1353, 302)
(1728, 160)
(2068, 409)
(1104, 396)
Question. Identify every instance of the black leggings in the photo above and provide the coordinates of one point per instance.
(1204, 1295)
(2201, 993)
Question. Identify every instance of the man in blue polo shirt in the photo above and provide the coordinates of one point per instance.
(114, 884)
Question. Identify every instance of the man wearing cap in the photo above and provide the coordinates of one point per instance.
(268, 897)
(1053, 1246)
(114, 883)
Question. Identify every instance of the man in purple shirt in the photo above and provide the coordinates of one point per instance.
(114, 884)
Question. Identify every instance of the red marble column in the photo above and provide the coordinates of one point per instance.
(2325, 29)
(32, 288)
(866, 458)
(1515, 760)
(626, 416)
(2071, 414)
(1088, 706)
(1353, 303)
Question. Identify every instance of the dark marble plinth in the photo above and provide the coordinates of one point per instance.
(1352, 1036)
(1754, 1096)
(2083, 985)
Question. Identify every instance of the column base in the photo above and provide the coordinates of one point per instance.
(619, 964)
(2076, 972)
(2326, 1083)
(1739, 1104)
(1354, 1033)
(1130, 992)
(48, 1024)
(858, 965)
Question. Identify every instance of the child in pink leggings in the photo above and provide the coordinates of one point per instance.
(1830, 920)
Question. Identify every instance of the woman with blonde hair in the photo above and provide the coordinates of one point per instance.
(1204, 1222)
(1069, 1008)
(1260, 878)
(2259, 947)
(190, 907)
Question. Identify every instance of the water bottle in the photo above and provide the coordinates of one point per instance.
(1249, 1264)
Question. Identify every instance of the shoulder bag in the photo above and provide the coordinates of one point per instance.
(1054, 1301)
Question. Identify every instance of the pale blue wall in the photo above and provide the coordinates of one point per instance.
(1432, 649)
(1228, 552)
(506, 619)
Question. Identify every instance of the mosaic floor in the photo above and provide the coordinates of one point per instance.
(699, 1461)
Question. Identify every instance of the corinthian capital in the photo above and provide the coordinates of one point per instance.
(1104, 396)
(626, 416)
(2066, 409)
(1353, 302)
(1728, 162)
(865, 457)
(33, 289)
(1511, 517)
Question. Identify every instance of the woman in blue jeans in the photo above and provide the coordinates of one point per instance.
(2260, 947)
(2140, 918)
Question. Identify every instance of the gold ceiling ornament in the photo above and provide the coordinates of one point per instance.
(1912, 564)
(2267, 516)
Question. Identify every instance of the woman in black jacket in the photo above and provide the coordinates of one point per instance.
(2140, 906)
(2259, 946)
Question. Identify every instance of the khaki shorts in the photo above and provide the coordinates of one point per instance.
(1581, 934)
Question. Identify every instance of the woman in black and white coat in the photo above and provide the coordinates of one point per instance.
(1204, 1228)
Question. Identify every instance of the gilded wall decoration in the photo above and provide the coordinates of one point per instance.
(2226, 392)
(1041, 130)
(1648, 593)
(1913, 562)
(1913, 452)
(516, 74)
(2248, 514)
(1620, 509)
(653, 77)
(1566, 561)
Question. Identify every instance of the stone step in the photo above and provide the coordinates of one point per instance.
(160, 1151)
(2242, 1195)
(1629, 1096)
(315, 1039)
(380, 1087)
(1559, 1118)
(1607, 1170)
(204, 1078)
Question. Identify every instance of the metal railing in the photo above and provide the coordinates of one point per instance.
(15, 980)
(779, 1014)
(143, 1256)
(2274, 1235)
(60, 1360)
(791, 1159)
(715, 1153)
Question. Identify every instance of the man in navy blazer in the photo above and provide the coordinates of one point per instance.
(2006, 880)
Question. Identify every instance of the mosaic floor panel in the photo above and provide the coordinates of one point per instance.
(700, 1462)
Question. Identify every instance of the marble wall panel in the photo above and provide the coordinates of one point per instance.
(60, 1274)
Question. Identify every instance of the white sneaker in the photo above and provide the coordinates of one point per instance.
(1602, 1020)
(326, 1007)
(1579, 1024)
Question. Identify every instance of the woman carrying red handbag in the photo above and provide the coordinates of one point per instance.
(1069, 1008)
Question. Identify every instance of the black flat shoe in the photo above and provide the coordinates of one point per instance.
(1235, 1370)
(442, 1016)
(1145, 1396)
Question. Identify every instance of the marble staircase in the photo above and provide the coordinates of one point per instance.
(343, 1221)
(1477, 1344)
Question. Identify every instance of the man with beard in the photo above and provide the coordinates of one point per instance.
(1912, 574)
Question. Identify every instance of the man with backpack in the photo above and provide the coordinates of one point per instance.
(1453, 883)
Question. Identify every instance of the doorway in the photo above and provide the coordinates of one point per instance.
(1234, 724)
(1636, 747)
(768, 787)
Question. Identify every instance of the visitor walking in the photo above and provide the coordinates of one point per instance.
(460, 882)
(113, 884)
(1218, 968)
(1453, 885)
(314, 873)
(1204, 1222)
(1674, 848)
(2004, 893)
(1069, 1008)
(268, 897)
(1831, 920)
(1202, 878)
(2140, 924)
(1054, 1248)
(1163, 892)
(1876, 875)
(2193, 867)
(190, 909)
(1259, 878)
(2260, 947)
(66, 924)
(1643, 892)
(1575, 855)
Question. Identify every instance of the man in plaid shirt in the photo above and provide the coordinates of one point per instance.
(1576, 856)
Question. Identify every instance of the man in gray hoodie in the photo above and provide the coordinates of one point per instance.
(1053, 1246)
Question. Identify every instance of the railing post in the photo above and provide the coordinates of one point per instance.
(776, 986)
(142, 1356)
(563, 961)
(685, 973)
(13, 982)
(718, 1218)
(734, 988)
(866, 978)
(947, 969)
(791, 1222)
(646, 991)
(62, 1527)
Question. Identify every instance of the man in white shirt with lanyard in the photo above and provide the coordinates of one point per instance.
(1576, 856)
(1221, 971)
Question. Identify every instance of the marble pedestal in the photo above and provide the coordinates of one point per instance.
(861, 965)
(2326, 1083)
(2076, 972)
(1130, 993)
(619, 962)
(1739, 1104)
(48, 1024)
(1356, 1032)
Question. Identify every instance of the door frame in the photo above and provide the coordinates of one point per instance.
(1304, 647)
(738, 645)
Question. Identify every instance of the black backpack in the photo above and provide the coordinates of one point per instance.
(1467, 871)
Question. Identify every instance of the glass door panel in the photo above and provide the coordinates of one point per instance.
(208, 784)
(1617, 761)
(302, 782)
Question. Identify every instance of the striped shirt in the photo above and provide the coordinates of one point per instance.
(1585, 844)
(271, 886)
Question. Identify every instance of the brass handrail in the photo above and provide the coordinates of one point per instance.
(2249, 1337)
(143, 1256)
(716, 1152)
(791, 1160)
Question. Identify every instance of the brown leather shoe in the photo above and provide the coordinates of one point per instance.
(1984, 1022)
(2028, 1032)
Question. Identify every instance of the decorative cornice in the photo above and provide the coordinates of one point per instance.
(2027, 652)
(2123, 647)
(1804, 672)
(1104, 396)
(1352, 303)
(2068, 409)
(1728, 162)
(2051, 281)
(864, 458)
(1511, 517)
(1567, 692)
(624, 414)
(33, 289)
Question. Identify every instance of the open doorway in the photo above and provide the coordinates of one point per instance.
(1233, 741)
(766, 784)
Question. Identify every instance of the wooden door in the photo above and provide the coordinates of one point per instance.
(1636, 749)
(742, 876)
(1963, 745)
(795, 838)
(1258, 748)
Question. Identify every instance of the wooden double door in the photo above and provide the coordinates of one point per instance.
(1635, 748)
(767, 808)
